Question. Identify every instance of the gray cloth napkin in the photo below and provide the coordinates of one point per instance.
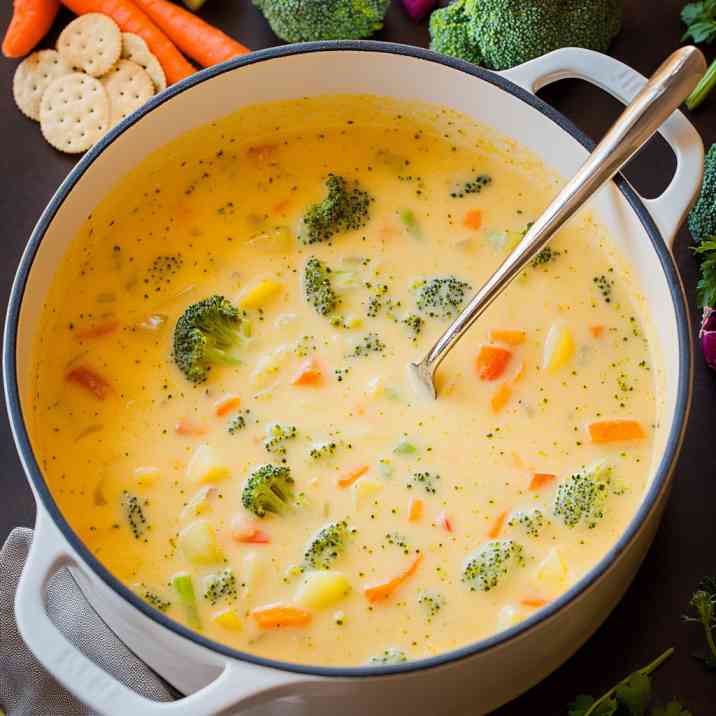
(26, 689)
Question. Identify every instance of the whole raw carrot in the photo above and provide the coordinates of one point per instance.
(202, 42)
(31, 19)
(131, 19)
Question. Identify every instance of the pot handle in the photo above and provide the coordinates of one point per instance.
(621, 81)
(236, 684)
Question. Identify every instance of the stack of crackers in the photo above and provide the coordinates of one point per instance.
(95, 78)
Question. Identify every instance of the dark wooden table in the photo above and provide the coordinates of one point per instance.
(648, 619)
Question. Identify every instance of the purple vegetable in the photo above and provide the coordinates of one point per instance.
(707, 336)
(418, 9)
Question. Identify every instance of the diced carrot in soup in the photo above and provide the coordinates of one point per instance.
(492, 361)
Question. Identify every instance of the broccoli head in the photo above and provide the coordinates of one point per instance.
(531, 521)
(441, 297)
(509, 32)
(268, 489)
(345, 208)
(580, 497)
(306, 20)
(449, 33)
(317, 287)
(204, 335)
(487, 567)
(326, 546)
(702, 218)
(389, 656)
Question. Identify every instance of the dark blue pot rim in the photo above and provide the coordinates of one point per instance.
(656, 490)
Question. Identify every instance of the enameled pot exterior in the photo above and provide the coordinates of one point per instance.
(473, 679)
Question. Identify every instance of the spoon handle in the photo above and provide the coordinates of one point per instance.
(669, 86)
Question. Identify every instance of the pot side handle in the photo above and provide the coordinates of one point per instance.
(622, 82)
(236, 685)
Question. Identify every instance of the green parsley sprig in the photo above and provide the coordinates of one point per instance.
(703, 603)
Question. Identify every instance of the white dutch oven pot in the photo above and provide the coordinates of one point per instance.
(475, 678)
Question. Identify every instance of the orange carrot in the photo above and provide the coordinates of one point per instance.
(309, 374)
(596, 331)
(473, 219)
(188, 428)
(415, 509)
(497, 526)
(500, 397)
(227, 404)
(348, 479)
(535, 602)
(540, 479)
(31, 19)
(98, 330)
(250, 534)
(90, 380)
(442, 520)
(131, 19)
(491, 362)
(273, 616)
(511, 337)
(383, 590)
(612, 431)
(195, 38)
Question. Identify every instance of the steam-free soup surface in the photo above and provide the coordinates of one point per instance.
(446, 521)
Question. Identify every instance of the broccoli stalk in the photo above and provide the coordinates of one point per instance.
(700, 21)
(305, 20)
(205, 334)
(345, 208)
(184, 588)
(326, 546)
(269, 489)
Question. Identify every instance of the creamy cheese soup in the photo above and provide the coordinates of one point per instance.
(222, 406)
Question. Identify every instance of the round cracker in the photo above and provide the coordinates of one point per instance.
(128, 87)
(134, 48)
(92, 43)
(33, 76)
(74, 112)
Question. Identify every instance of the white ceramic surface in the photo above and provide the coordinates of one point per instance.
(475, 679)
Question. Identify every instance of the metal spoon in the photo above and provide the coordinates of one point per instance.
(668, 87)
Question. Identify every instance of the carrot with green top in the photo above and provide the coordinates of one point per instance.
(31, 19)
(383, 590)
(613, 431)
(497, 526)
(492, 361)
(131, 19)
(195, 38)
(275, 616)
(348, 479)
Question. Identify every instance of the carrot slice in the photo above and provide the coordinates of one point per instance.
(273, 616)
(415, 509)
(89, 380)
(597, 331)
(187, 427)
(497, 526)
(349, 478)
(473, 219)
(309, 374)
(444, 521)
(492, 361)
(511, 337)
(227, 404)
(98, 330)
(193, 36)
(31, 19)
(383, 590)
(535, 602)
(131, 19)
(500, 398)
(612, 431)
(540, 479)
(250, 535)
